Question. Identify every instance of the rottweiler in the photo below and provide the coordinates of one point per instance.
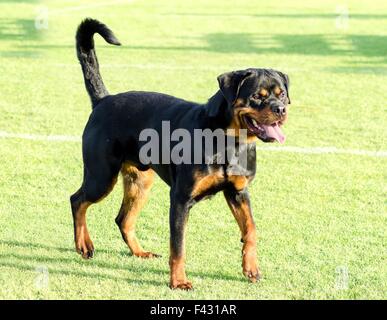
(255, 100)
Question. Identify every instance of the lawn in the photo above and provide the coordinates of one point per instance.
(320, 217)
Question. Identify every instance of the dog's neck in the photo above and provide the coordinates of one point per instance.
(219, 111)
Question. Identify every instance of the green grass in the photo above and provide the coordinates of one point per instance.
(314, 213)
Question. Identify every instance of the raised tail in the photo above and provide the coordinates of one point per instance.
(88, 58)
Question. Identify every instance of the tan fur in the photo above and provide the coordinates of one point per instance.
(239, 182)
(137, 185)
(178, 277)
(277, 91)
(264, 116)
(263, 92)
(83, 243)
(243, 216)
(204, 183)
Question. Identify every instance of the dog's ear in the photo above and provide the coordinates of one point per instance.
(229, 85)
(217, 104)
(231, 82)
(285, 80)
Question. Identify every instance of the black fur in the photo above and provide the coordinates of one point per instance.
(88, 58)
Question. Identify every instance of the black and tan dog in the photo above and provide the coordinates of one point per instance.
(254, 99)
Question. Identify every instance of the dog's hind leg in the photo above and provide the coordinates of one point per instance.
(93, 189)
(137, 185)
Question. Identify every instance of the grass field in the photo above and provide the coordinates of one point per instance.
(319, 217)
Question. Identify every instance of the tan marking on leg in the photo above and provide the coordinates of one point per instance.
(83, 243)
(239, 182)
(137, 185)
(243, 216)
(79, 206)
(178, 276)
(204, 183)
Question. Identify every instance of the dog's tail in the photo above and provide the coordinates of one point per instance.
(88, 58)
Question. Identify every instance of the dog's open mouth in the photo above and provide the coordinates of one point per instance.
(267, 133)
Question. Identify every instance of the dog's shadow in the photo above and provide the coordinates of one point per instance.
(33, 261)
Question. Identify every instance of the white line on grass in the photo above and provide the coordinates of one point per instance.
(290, 149)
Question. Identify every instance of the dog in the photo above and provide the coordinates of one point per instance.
(255, 100)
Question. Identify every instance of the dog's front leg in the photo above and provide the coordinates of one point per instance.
(239, 204)
(178, 217)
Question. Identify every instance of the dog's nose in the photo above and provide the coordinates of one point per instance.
(279, 110)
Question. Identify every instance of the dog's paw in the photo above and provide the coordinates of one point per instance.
(147, 255)
(182, 285)
(85, 249)
(252, 274)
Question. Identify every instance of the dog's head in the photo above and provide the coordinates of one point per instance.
(253, 99)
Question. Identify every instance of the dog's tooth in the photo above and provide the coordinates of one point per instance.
(255, 123)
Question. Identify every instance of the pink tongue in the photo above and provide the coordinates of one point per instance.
(275, 132)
